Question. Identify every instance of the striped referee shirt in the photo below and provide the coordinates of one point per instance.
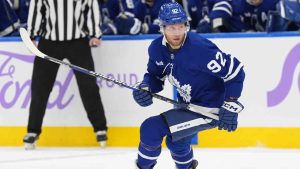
(60, 20)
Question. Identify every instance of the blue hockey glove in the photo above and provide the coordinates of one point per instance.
(228, 115)
(143, 98)
(204, 25)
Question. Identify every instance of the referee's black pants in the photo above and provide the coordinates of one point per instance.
(44, 74)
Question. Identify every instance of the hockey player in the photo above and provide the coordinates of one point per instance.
(254, 12)
(118, 18)
(21, 8)
(213, 16)
(147, 12)
(203, 75)
(285, 18)
(9, 21)
(260, 14)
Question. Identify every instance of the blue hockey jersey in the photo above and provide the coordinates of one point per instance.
(200, 71)
(9, 21)
(21, 7)
(255, 16)
(197, 9)
(285, 18)
(110, 9)
(213, 9)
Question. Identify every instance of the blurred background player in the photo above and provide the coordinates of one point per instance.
(9, 20)
(147, 12)
(286, 17)
(204, 77)
(259, 14)
(21, 8)
(67, 29)
(254, 13)
(118, 18)
(213, 16)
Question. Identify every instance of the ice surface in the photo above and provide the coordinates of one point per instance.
(123, 158)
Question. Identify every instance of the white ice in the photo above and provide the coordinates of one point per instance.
(123, 158)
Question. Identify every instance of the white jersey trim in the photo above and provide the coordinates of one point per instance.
(147, 157)
(230, 67)
(237, 70)
(184, 162)
(223, 3)
(222, 9)
(189, 124)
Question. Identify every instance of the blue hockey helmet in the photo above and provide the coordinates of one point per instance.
(172, 13)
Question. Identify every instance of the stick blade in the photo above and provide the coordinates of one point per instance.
(29, 44)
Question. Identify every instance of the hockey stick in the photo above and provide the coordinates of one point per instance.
(29, 44)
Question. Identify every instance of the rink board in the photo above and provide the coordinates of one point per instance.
(128, 137)
(270, 96)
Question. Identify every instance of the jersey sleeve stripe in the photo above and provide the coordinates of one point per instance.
(282, 9)
(230, 67)
(223, 3)
(235, 73)
(222, 9)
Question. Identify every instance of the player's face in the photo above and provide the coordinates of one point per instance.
(255, 2)
(175, 34)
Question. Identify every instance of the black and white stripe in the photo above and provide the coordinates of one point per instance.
(61, 20)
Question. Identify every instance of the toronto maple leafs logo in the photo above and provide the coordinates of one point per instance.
(184, 90)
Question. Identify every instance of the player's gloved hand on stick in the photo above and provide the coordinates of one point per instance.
(228, 115)
(143, 98)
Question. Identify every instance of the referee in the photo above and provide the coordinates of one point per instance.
(67, 30)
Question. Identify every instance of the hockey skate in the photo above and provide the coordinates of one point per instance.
(101, 137)
(137, 167)
(30, 141)
(194, 165)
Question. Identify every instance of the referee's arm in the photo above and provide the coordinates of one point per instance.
(93, 19)
(34, 18)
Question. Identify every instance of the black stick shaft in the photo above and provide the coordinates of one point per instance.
(85, 71)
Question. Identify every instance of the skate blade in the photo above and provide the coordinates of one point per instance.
(29, 146)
